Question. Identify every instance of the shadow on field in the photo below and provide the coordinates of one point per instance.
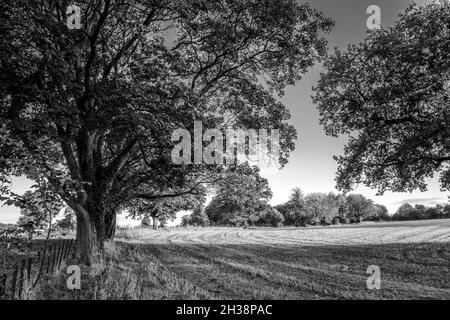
(271, 271)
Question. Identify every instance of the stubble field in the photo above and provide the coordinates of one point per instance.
(293, 263)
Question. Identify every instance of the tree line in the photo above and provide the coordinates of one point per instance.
(420, 212)
(244, 202)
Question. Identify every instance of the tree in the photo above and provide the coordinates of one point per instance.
(293, 210)
(92, 110)
(240, 199)
(391, 94)
(145, 222)
(358, 207)
(38, 210)
(199, 217)
(162, 210)
(186, 220)
(271, 216)
(421, 212)
(380, 213)
(404, 212)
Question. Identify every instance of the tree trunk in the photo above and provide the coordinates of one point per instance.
(87, 241)
(155, 222)
(91, 234)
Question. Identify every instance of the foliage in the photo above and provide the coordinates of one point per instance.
(391, 95)
(197, 218)
(270, 216)
(379, 213)
(358, 207)
(239, 199)
(38, 209)
(67, 223)
(92, 110)
(293, 211)
(329, 208)
(420, 212)
(163, 209)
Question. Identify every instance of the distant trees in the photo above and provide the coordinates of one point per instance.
(294, 211)
(240, 199)
(379, 213)
(270, 216)
(329, 208)
(198, 218)
(162, 210)
(358, 207)
(420, 212)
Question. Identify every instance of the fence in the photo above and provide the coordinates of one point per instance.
(27, 269)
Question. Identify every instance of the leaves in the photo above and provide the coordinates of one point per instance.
(388, 94)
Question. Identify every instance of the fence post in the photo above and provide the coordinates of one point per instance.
(60, 252)
(63, 250)
(13, 284)
(69, 241)
(53, 259)
(74, 248)
(21, 277)
(30, 262)
(47, 266)
(3, 285)
(69, 249)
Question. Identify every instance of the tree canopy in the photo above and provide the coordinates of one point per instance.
(241, 198)
(390, 94)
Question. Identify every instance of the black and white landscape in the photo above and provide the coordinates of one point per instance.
(224, 149)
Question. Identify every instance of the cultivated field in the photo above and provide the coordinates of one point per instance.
(292, 263)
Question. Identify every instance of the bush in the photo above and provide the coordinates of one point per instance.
(326, 221)
(272, 217)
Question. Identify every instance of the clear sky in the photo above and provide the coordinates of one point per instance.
(311, 166)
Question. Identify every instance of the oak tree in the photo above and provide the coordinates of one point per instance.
(92, 110)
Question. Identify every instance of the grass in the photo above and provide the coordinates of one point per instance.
(272, 263)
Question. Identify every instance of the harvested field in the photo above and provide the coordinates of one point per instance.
(301, 263)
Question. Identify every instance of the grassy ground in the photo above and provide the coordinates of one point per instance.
(301, 263)
(272, 263)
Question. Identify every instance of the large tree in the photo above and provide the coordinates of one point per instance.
(391, 95)
(92, 110)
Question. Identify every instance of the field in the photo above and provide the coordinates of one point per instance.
(292, 263)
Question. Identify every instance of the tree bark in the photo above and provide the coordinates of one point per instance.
(155, 222)
(88, 244)
(93, 228)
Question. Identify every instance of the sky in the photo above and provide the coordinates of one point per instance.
(311, 166)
